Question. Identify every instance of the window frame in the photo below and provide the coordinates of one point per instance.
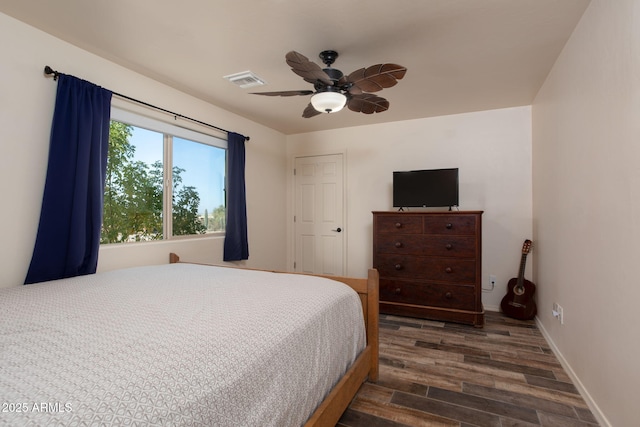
(169, 130)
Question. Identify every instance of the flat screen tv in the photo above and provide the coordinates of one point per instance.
(425, 188)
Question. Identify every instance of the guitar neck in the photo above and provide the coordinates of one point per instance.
(523, 263)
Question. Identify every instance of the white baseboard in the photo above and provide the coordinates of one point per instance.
(597, 413)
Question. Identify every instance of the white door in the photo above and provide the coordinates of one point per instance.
(319, 228)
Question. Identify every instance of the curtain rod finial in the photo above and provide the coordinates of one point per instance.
(48, 71)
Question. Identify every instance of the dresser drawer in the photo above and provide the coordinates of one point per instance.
(459, 270)
(406, 224)
(414, 244)
(459, 297)
(450, 224)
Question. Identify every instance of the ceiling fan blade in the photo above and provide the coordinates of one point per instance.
(377, 77)
(309, 71)
(355, 90)
(367, 103)
(310, 112)
(284, 93)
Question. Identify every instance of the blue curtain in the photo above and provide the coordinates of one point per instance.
(68, 236)
(236, 246)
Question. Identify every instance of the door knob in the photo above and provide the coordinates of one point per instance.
(337, 230)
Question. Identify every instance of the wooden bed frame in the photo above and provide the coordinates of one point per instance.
(366, 365)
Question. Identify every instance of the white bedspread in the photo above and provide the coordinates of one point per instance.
(172, 345)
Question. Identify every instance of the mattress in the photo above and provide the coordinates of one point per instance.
(176, 344)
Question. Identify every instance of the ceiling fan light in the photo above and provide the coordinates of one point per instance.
(328, 102)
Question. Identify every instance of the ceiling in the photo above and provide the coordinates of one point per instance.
(461, 55)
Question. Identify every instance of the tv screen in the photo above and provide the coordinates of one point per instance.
(425, 188)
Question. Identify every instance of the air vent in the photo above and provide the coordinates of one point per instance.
(245, 79)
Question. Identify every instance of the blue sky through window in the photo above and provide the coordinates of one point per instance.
(204, 165)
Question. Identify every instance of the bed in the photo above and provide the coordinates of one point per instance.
(186, 344)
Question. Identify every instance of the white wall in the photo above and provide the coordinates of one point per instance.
(586, 145)
(26, 108)
(492, 150)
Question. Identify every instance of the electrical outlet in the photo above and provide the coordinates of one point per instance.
(558, 312)
(561, 315)
(492, 280)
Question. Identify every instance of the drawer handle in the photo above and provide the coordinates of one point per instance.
(449, 226)
(448, 295)
(398, 266)
(398, 291)
(449, 246)
(398, 244)
(448, 270)
(398, 225)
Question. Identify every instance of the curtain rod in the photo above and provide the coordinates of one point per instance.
(49, 71)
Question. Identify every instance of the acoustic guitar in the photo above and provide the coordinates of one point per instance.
(518, 302)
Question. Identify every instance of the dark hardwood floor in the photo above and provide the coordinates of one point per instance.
(445, 374)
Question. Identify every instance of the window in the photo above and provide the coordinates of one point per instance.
(162, 181)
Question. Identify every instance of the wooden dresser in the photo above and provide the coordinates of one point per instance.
(430, 264)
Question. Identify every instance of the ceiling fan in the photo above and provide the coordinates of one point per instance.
(333, 90)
